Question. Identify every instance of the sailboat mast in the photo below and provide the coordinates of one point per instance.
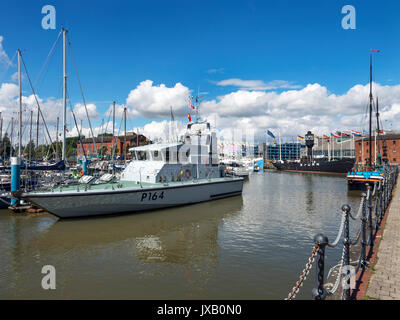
(370, 111)
(30, 139)
(20, 105)
(58, 119)
(64, 92)
(125, 136)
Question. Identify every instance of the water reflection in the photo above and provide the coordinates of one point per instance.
(249, 247)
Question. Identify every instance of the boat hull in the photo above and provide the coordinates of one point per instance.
(105, 202)
(341, 166)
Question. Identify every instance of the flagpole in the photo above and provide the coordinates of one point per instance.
(329, 149)
(280, 145)
(375, 148)
(362, 149)
(341, 145)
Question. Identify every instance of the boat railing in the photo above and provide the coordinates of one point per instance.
(372, 209)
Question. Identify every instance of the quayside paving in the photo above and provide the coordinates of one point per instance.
(384, 283)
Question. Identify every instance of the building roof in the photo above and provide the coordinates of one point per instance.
(109, 138)
(386, 136)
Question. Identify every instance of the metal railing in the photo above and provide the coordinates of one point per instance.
(371, 212)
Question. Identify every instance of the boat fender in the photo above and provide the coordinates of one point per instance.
(187, 174)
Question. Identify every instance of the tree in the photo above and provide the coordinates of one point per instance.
(30, 149)
(5, 146)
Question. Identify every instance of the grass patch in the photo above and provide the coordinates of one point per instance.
(367, 297)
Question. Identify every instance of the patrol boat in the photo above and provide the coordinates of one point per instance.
(160, 175)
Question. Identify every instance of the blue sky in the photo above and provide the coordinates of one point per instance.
(119, 44)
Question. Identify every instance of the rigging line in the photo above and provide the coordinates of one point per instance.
(104, 132)
(8, 67)
(76, 126)
(115, 142)
(37, 102)
(80, 87)
(49, 56)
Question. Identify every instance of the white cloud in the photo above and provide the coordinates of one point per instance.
(297, 111)
(119, 111)
(163, 129)
(8, 91)
(155, 101)
(4, 59)
(257, 84)
(216, 70)
(80, 112)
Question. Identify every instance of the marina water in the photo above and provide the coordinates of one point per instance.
(252, 246)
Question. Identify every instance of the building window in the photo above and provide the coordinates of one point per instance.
(394, 141)
(394, 159)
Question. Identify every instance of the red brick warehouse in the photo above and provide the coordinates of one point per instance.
(132, 140)
(388, 145)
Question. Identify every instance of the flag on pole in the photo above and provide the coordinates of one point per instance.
(325, 136)
(345, 134)
(334, 135)
(356, 133)
(270, 134)
(66, 129)
(189, 117)
(191, 106)
(300, 138)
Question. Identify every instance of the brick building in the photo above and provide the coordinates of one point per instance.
(106, 143)
(388, 145)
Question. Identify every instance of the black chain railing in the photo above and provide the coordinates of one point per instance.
(373, 206)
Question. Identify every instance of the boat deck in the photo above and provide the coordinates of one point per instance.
(130, 185)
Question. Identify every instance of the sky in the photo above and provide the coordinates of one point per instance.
(285, 66)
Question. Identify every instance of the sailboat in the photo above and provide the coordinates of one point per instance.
(374, 170)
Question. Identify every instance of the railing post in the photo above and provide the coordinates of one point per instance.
(363, 230)
(319, 293)
(380, 204)
(369, 201)
(346, 243)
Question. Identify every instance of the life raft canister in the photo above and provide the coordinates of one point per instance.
(187, 174)
(82, 173)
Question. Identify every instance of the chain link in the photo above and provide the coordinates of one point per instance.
(304, 274)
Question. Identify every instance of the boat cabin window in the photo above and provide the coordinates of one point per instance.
(134, 155)
(142, 155)
(156, 155)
